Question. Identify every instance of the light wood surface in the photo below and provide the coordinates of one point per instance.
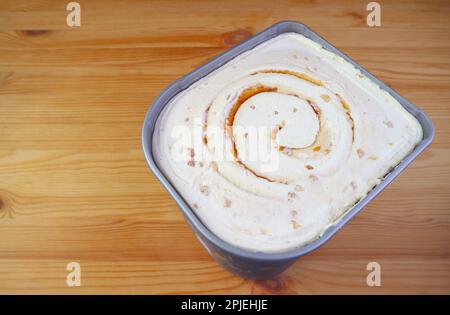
(74, 185)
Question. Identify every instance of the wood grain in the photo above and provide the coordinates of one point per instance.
(74, 185)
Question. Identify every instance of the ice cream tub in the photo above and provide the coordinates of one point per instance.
(260, 264)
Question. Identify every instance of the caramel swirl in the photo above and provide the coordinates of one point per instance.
(277, 144)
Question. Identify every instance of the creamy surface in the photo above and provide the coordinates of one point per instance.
(325, 136)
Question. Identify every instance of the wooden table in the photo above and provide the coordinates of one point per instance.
(74, 185)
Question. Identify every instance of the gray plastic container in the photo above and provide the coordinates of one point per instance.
(242, 262)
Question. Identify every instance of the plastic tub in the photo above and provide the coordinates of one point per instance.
(245, 263)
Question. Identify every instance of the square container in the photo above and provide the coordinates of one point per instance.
(242, 262)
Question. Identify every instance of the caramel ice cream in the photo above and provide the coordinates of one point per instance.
(276, 145)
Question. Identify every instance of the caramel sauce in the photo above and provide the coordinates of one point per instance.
(252, 91)
(349, 114)
(245, 95)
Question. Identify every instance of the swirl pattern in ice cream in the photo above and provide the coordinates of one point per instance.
(276, 145)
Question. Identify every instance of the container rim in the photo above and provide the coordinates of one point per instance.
(179, 85)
